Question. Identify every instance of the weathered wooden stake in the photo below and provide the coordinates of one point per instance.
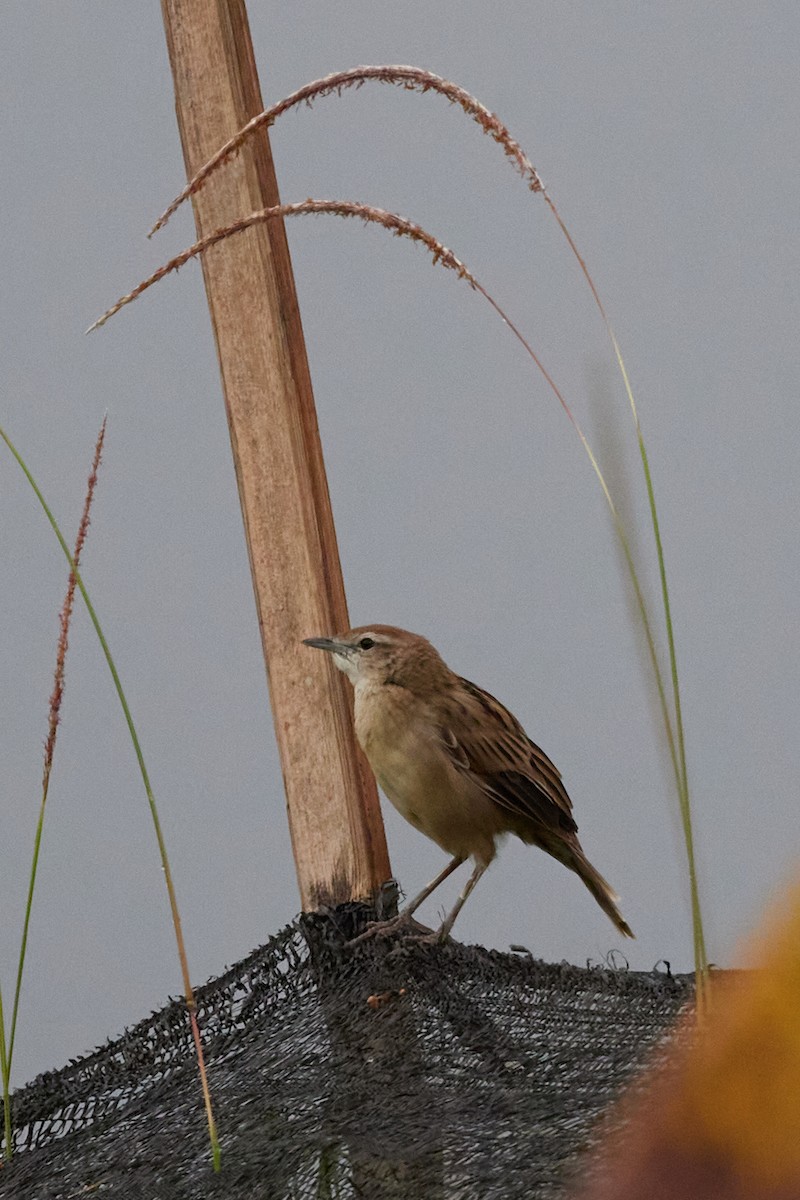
(337, 833)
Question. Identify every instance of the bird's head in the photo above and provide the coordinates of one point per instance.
(383, 655)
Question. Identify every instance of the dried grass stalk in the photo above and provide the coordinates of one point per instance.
(400, 226)
(413, 79)
(65, 616)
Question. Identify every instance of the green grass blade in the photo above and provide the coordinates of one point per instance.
(678, 757)
(54, 717)
(162, 849)
(37, 843)
(6, 1074)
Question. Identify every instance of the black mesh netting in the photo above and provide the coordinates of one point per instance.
(395, 1069)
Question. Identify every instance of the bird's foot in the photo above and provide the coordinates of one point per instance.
(430, 937)
(403, 924)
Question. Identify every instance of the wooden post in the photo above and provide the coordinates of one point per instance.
(335, 821)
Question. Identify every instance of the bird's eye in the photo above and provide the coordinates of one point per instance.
(366, 643)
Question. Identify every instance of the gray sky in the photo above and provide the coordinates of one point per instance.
(465, 508)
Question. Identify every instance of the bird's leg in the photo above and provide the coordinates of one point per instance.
(404, 917)
(450, 919)
(412, 907)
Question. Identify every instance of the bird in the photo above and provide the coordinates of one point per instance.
(455, 763)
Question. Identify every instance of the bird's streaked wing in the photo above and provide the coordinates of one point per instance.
(486, 741)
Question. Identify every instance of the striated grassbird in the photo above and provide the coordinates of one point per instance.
(455, 763)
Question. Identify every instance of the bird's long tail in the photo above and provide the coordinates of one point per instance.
(605, 896)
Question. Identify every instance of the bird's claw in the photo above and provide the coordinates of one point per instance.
(431, 937)
(401, 924)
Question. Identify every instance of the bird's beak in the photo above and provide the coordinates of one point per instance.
(329, 644)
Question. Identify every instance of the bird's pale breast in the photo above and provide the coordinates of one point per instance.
(403, 746)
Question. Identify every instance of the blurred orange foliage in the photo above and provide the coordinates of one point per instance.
(722, 1119)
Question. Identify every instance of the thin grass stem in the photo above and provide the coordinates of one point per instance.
(402, 227)
(162, 849)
